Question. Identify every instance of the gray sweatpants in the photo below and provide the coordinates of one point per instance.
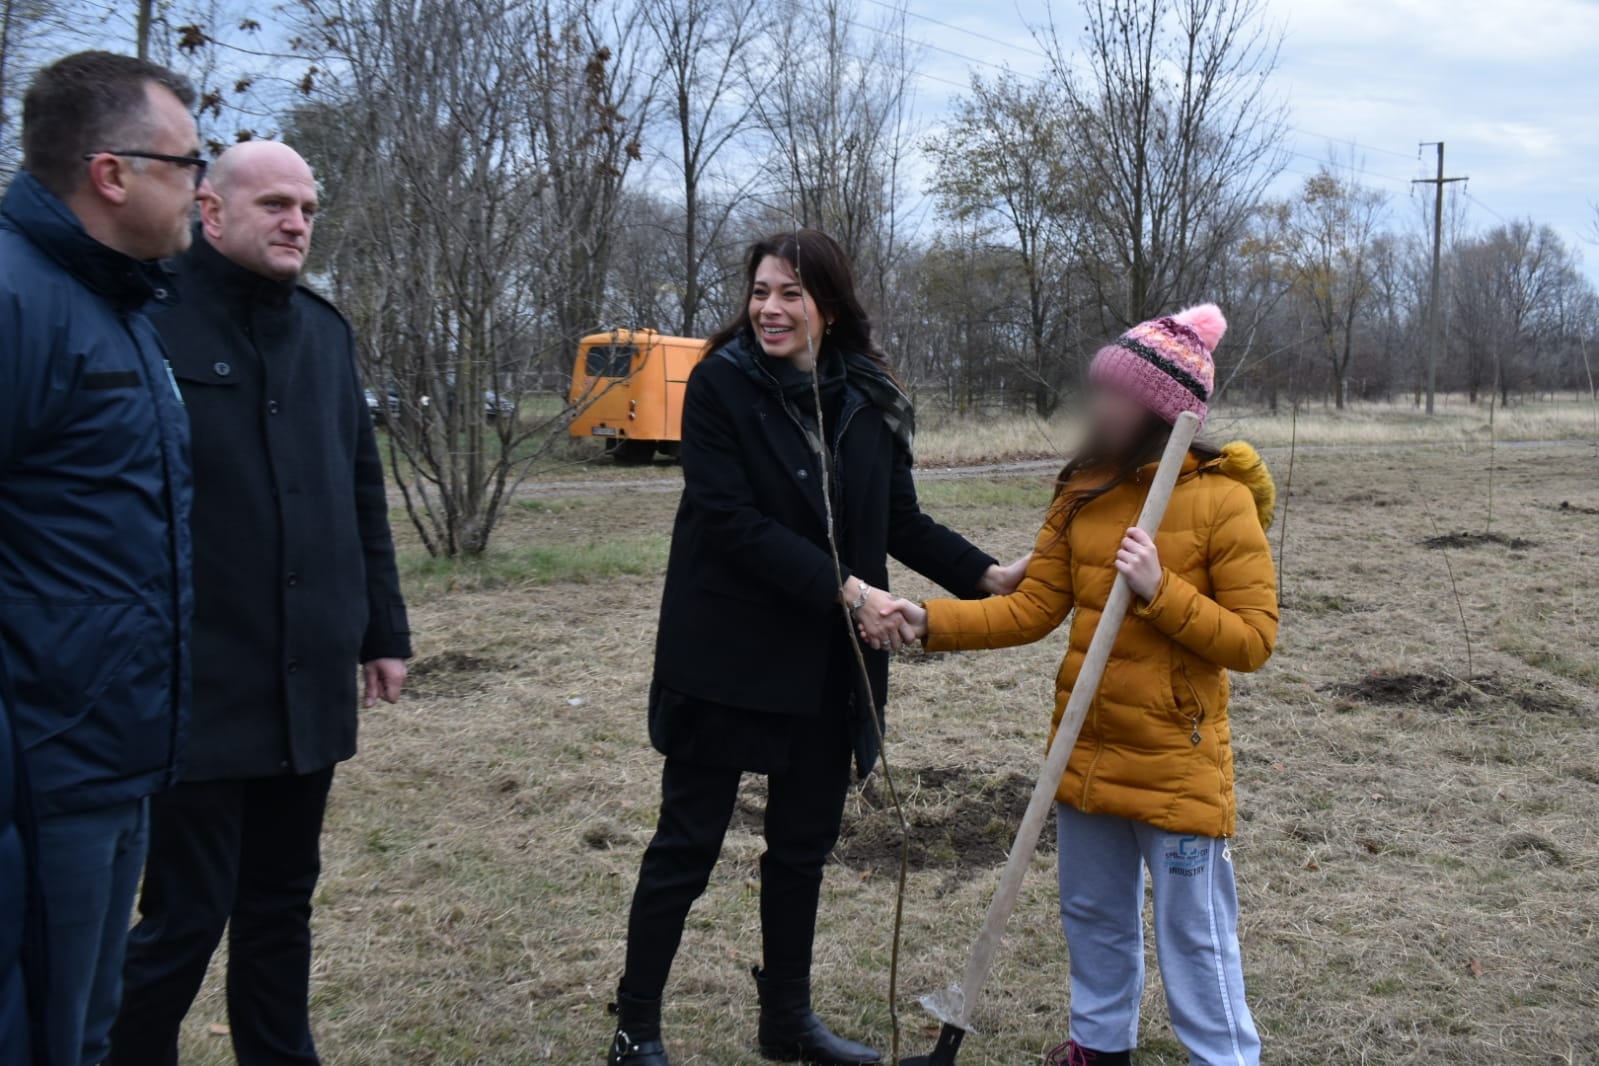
(1102, 861)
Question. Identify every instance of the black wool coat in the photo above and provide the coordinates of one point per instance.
(750, 610)
(294, 570)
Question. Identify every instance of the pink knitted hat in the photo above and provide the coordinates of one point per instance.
(1167, 364)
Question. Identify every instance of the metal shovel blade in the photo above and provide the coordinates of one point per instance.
(949, 1042)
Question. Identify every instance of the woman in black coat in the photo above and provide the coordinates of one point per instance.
(754, 668)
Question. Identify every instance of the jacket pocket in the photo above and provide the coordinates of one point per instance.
(93, 681)
(220, 372)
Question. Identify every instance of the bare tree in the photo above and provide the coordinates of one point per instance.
(1003, 165)
(1330, 236)
(837, 115)
(709, 88)
(1179, 135)
(587, 110)
(473, 151)
(25, 28)
(1514, 289)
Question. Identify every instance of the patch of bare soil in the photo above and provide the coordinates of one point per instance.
(1479, 540)
(450, 673)
(962, 819)
(1447, 694)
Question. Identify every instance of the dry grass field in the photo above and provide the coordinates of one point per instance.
(1418, 852)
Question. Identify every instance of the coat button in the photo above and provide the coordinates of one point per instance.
(161, 294)
(222, 370)
(293, 666)
(292, 580)
(272, 407)
(803, 474)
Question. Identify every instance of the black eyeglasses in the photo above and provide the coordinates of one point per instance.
(194, 161)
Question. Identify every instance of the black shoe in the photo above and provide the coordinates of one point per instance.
(638, 1033)
(791, 1032)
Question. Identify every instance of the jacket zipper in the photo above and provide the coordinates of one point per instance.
(174, 535)
(1196, 737)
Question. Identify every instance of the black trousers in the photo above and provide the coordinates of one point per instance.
(243, 856)
(804, 811)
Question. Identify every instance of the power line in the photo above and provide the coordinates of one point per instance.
(1033, 52)
(1467, 194)
(1045, 80)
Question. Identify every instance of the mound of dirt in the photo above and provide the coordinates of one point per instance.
(1446, 694)
(1479, 540)
(962, 820)
(1539, 850)
(450, 673)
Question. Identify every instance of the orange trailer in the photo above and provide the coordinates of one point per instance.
(627, 390)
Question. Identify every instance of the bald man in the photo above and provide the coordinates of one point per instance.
(295, 588)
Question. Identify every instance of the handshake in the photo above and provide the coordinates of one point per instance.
(889, 623)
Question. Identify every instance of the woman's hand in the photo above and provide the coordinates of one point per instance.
(1139, 563)
(912, 619)
(880, 624)
(1003, 580)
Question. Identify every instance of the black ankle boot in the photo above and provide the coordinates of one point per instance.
(638, 1033)
(791, 1032)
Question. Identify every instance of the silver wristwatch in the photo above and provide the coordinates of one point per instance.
(860, 601)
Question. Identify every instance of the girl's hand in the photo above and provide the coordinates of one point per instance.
(1139, 563)
(910, 617)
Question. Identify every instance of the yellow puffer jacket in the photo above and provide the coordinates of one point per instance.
(1156, 746)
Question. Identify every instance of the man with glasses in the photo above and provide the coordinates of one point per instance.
(295, 589)
(94, 504)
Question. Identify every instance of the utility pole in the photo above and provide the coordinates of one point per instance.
(1435, 318)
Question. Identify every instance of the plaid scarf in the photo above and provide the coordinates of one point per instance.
(854, 371)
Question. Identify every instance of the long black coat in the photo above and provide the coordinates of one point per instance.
(750, 612)
(294, 572)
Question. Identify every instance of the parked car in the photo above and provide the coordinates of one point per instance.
(497, 406)
(382, 412)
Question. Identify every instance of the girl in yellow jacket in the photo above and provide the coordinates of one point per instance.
(1150, 782)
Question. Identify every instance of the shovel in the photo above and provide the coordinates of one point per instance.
(953, 1006)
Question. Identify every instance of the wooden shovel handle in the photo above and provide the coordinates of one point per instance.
(954, 1004)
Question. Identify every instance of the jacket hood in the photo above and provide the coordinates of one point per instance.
(50, 224)
(1241, 462)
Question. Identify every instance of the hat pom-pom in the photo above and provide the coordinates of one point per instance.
(1207, 321)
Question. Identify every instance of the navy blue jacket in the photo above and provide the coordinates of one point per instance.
(21, 953)
(94, 513)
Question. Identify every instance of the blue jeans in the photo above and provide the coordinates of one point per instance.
(1102, 860)
(89, 864)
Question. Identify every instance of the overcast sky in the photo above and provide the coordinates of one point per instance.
(1511, 86)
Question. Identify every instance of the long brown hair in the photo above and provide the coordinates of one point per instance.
(1118, 466)
(826, 275)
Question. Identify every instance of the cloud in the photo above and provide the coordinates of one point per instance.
(1509, 84)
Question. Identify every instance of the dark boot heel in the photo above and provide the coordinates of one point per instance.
(638, 1033)
(791, 1032)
